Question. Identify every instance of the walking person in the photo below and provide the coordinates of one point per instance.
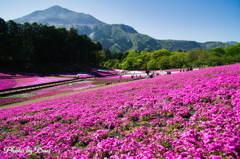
(120, 77)
(147, 72)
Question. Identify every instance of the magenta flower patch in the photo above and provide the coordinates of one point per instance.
(15, 81)
(6, 81)
(39, 80)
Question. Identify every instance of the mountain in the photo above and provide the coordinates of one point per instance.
(175, 45)
(116, 37)
(57, 15)
(119, 37)
(232, 42)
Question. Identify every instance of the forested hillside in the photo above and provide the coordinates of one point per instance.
(37, 43)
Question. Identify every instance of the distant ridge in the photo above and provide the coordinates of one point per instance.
(57, 15)
(232, 42)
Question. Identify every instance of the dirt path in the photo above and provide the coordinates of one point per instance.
(59, 95)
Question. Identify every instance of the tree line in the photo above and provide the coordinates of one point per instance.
(38, 43)
(164, 59)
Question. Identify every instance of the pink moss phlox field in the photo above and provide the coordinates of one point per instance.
(21, 81)
(6, 83)
(11, 80)
(186, 115)
(72, 86)
(39, 80)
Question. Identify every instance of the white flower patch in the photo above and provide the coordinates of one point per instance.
(21, 95)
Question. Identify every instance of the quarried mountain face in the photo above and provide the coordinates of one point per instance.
(116, 37)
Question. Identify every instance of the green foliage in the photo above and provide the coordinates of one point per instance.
(164, 62)
(203, 55)
(120, 38)
(152, 64)
(107, 54)
(232, 50)
(144, 42)
(214, 60)
(164, 59)
(184, 66)
(112, 63)
(193, 55)
(219, 51)
(38, 43)
(155, 55)
(113, 37)
(128, 64)
(137, 63)
(230, 59)
(178, 59)
(198, 55)
(159, 53)
(197, 63)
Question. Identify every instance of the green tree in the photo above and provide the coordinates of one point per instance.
(152, 64)
(229, 60)
(203, 55)
(178, 59)
(164, 62)
(110, 63)
(137, 63)
(214, 60)
(193, 55)
(38, 43)
(219, 51)
(237, 58)
(108, 54)
(164, 52)
(4, 57)
(127, 65)
(197, 63)
(232, 50)
(14, 42)
(155, 55)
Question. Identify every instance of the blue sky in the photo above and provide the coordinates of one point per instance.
(197, 20)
